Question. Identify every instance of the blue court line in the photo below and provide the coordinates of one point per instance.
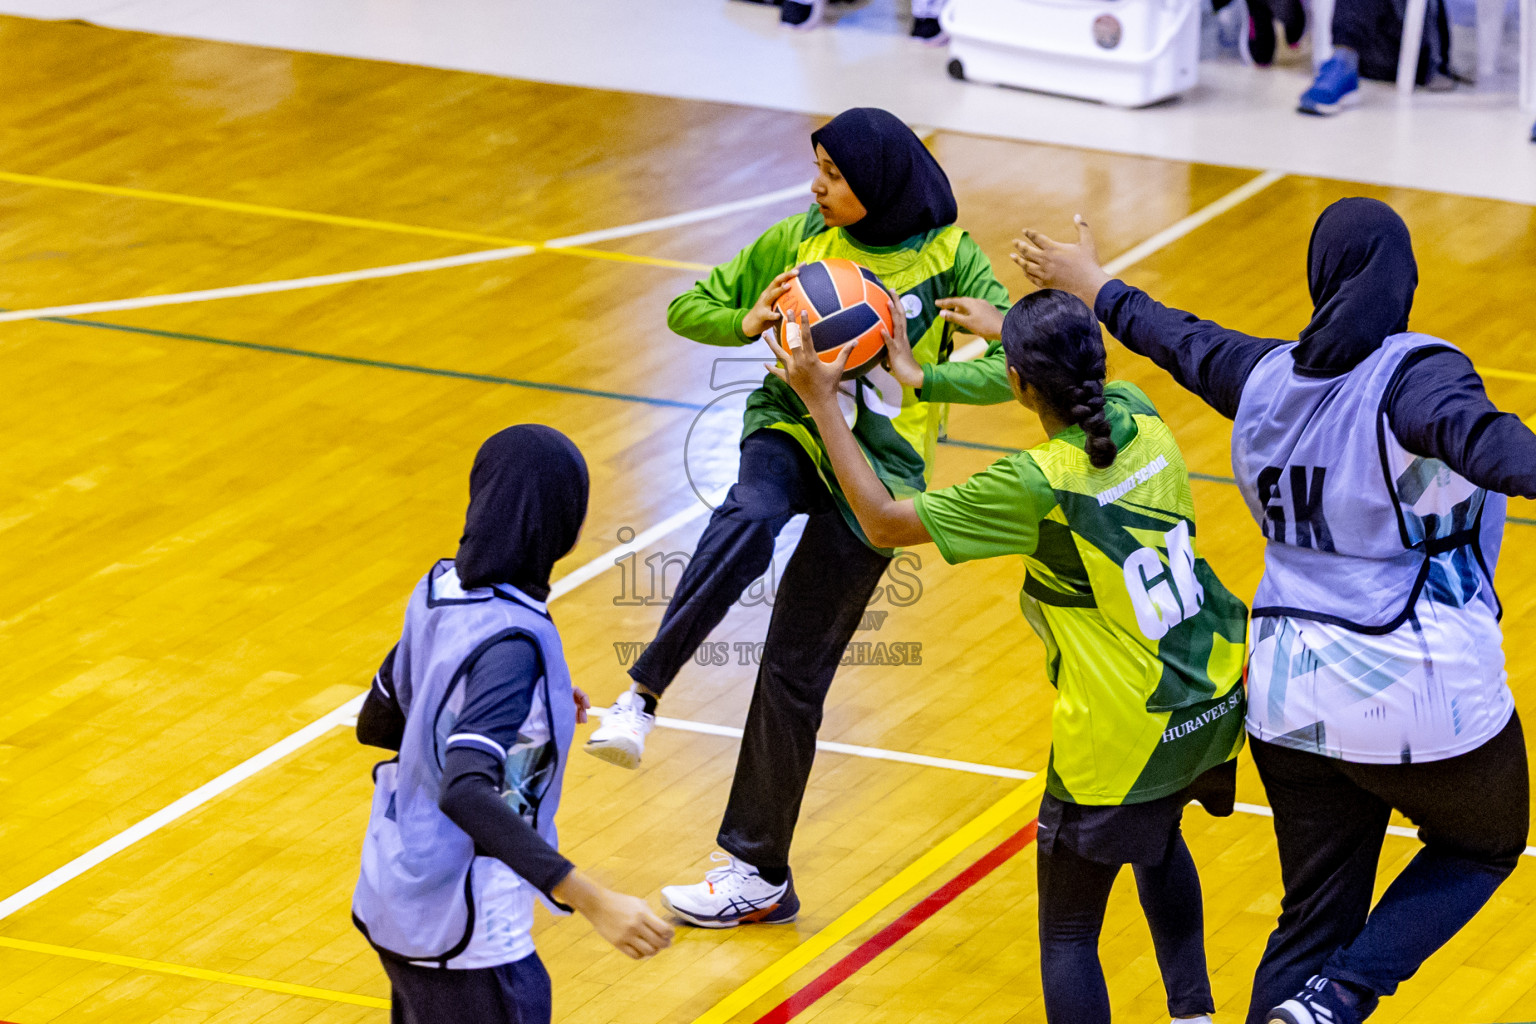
(490, 378)
(381, 364)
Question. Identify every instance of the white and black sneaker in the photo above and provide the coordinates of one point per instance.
(620, 739)
(1321, 1001)
(732, 895)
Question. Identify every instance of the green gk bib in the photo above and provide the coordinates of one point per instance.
(1150, 696)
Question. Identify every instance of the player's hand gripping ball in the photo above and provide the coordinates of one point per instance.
(846, 302)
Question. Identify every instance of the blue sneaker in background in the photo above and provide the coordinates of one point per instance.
(1337, 86)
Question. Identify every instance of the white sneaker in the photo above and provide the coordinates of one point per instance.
(732, 895)
(620, 739)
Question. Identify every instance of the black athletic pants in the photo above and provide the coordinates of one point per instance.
(1076, 871)
(515, 993)
(1374, 30)
(1473, 812)
(817, 608)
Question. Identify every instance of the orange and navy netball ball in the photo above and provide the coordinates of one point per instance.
(846, 302)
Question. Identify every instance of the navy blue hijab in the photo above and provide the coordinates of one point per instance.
(527, 501)
(1362, 275)
(901, 185)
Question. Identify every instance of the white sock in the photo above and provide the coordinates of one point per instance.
(1204, 1018)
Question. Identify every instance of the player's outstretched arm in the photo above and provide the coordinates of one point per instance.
(472, 800)
(887, 523)
(626, 922)
(973, 316)
(1070, 266)
(1206, 358)
(981, 381)
(1437, 408)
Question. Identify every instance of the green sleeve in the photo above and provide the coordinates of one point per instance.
(974, 278)
(1134, 399)
(996, 512)
(713, 309)
(981, 381)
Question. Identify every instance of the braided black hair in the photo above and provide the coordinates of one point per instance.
(1053, 342)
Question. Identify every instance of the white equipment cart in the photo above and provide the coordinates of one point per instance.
(1127, 53)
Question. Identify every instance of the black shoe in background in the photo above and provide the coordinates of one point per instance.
(1293, 18)
(796, 13)
(929, 31)
(1261, 33)
(1295, 22)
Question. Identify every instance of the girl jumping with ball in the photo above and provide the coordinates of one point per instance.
(883, 202)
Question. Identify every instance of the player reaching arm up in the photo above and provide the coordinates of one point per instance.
(982, 381)
(478, 702)
(1143, 643)
(1376, 469)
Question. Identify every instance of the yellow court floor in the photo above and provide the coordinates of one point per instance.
(214, 503)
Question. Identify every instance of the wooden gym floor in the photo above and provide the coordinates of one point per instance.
(212, 509)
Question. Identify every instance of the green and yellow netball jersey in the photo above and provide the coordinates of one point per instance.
(944, 262)
(1143, 643)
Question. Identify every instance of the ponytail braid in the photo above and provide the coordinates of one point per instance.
(1088, 413)
(1054, 344)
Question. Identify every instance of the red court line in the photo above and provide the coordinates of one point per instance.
(898, 929)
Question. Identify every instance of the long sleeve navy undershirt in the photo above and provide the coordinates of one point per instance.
(380, 722)
(1436, 405)
(499, 694)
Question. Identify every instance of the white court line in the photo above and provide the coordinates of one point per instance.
(881, 754)
(415, 267)
(679, 219)
(1161, 240)
(180, 808)
(269, 287)
(832, 747)
(282, 748)
(1395, 830)
(208, 791)
(576, 577)
(1200, 217)
(875, 753)
(971, 350)
(421, 266)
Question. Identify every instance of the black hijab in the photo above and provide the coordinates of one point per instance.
(527, 500)
(1362, 274)
(901, 185)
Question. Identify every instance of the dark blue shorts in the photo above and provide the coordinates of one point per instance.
(1132, 833)
(515, 993)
